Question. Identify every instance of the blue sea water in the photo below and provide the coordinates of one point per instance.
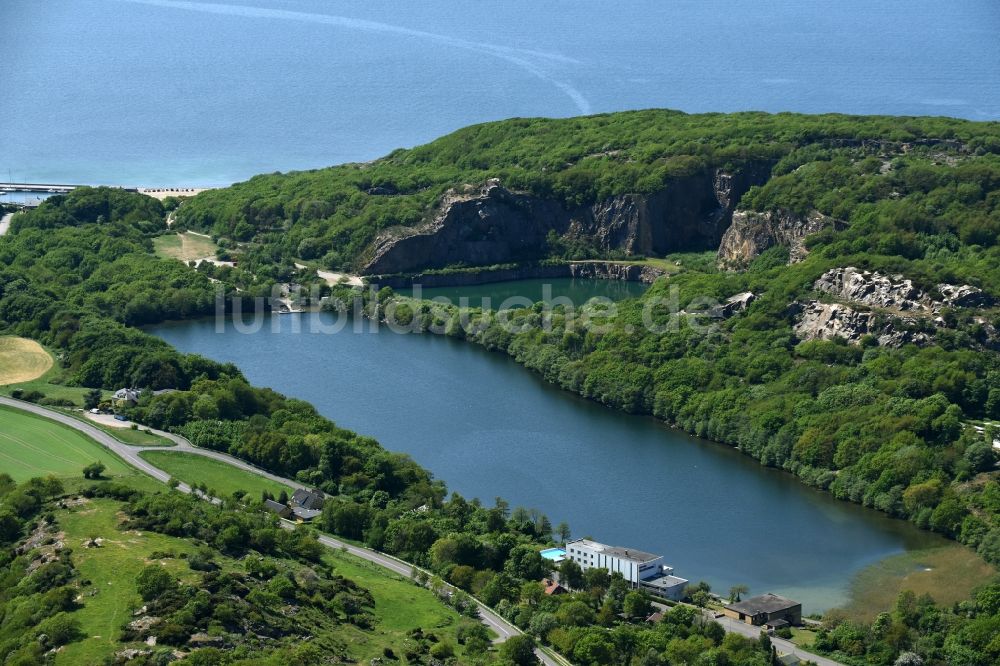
(170, 92)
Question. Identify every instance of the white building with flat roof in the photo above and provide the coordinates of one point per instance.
(634, 565)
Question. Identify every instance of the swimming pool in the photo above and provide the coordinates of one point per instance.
(554, 554)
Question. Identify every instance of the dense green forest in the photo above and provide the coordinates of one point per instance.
(331, 215)
(881, 425)
(381, 498)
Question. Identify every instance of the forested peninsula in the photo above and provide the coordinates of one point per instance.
(864, 360)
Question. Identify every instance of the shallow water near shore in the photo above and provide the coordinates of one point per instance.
(489, 428)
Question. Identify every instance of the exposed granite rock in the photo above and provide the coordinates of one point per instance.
(826, 321)
(123, 656)
(751, 233)
(964, 296)
(896, 292)
(492, 227)
(734, 305)
(496, 225)
(873, 289)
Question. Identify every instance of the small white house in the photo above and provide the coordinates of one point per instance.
(127, 395)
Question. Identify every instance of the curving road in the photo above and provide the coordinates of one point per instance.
(5, 223)
(130, 454)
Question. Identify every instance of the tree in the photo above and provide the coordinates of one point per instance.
(153, 581)
(596, 578)
(636, 604)
(575, 614)
(518, 651)
(593, 648)
(562, 531)
(570, 574)
(93, 470)
(91, 399)
(736, 591)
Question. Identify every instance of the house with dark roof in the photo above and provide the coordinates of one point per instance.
(277, 508)
(307, 499)
(305, 514)
(553, 588)
(768, 610)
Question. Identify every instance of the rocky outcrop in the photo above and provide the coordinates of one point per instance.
(826, 321)
(734, 305)
(577, 269)
(609, 270)
(964, 296)
(873, 289)
(496, 225)
(751, 233)
(894, 292)
(492, 227)
(905, 314)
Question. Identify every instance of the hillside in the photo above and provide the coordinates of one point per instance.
(860, 361)
(648, 182)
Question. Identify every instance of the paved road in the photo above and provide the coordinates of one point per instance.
(5, 223)
(784, 647)
(130, 454)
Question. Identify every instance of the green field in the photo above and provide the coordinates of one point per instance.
(400, 606)
(220, 477)
(112, 569)
(134, 437)
(34, 446)
(186, 247)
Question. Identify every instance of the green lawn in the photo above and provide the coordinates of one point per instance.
(400, 606)
(804, 638)
(112, 569)
(137, 437)
(186, 247)
(222, 478)
(35, 446)
(134, 437)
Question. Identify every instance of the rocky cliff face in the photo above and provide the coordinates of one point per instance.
(825, 321)
(751, 233)
(894, 292)
(496, 225)
(892, 295)
(610, 270)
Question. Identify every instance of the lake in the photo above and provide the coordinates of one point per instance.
(489, 428)
(170, 92)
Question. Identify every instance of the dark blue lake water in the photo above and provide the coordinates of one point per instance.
(489, 427)
(165, 92)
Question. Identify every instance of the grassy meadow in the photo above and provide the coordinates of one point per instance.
(186, 246)
(220, 477)
(32, 446)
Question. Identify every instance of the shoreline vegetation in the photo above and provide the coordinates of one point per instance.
(879, 425)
